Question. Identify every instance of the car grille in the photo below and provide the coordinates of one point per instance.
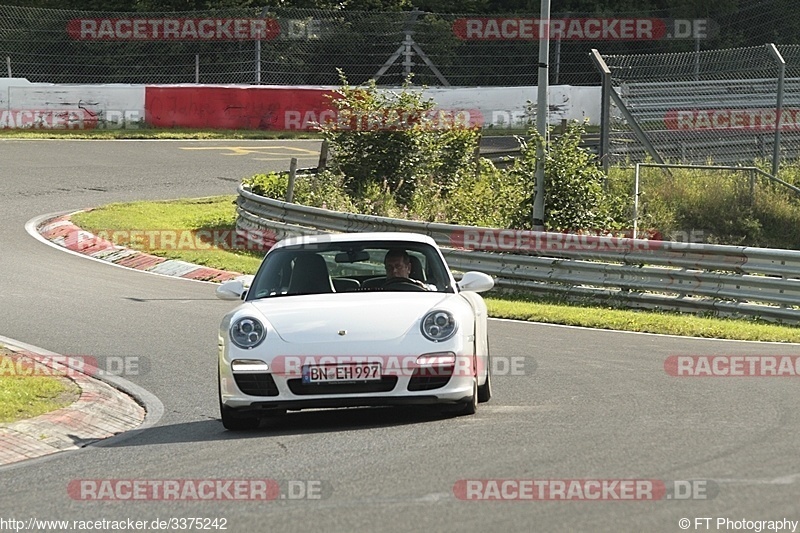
(386, 384)
(427, 378)
(258, 384)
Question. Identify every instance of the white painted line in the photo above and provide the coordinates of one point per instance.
(154, 409)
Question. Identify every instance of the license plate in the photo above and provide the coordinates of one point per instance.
(341, 373)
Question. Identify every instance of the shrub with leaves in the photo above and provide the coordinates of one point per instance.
(395, 141)
(491, 198)
(321, 190)
(575, 197)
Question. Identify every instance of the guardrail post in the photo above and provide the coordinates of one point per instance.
(292, 175)
(776, 148)
(323, 156)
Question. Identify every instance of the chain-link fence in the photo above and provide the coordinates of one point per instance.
(706, 107)
(306, 47)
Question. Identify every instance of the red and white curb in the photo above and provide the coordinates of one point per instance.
(61, 231)
(100, 412)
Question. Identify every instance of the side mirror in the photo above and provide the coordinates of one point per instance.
(230, 290)
(234, 289)
(475, 282)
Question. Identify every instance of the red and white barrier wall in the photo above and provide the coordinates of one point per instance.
(279, 108)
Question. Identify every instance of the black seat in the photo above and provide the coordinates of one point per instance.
(310, 276)
(346, 284)
(417, 272)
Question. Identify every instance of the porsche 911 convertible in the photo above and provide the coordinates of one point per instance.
(367, 319)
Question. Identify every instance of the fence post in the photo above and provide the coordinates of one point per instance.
(542, 108)
(557, 60)
(258, 62)
(258, 49)
(292, 174)
(8, 64)
(636, 201)
(776, 148)
(605, 108)
(197, 69)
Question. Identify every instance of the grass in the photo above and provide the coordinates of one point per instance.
(148, 133)
(26, 397)
(218, 212)
(215, 212)
(667, 323)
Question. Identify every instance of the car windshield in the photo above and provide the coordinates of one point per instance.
(336, 267)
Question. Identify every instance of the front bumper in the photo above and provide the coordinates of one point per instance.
(264, 391)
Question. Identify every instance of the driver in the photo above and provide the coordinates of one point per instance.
(398, 265)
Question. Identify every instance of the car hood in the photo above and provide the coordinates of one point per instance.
(362, 316)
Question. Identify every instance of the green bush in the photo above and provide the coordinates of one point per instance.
(272, 185)
(490, 198)
(395, 141)
(716, 206)
(323, 190)
(575, 195)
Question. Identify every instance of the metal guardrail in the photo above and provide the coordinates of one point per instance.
(724, 280)
(503, 150)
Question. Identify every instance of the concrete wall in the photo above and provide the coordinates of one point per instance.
(38, 105)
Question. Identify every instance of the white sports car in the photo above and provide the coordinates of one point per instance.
(346, 320)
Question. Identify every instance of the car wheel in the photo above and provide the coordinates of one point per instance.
(237, 423)
(470, 406)
(233, 422)
(485, 390)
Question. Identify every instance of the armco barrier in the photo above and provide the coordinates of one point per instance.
(724, 280)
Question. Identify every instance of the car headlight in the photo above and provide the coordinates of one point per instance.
(438, 325)
(247, 332)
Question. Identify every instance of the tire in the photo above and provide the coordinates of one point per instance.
(470, 406)
(237, 423)
(485, 390)
(231, 421)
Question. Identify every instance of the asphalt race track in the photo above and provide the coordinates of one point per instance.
(583, 404)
